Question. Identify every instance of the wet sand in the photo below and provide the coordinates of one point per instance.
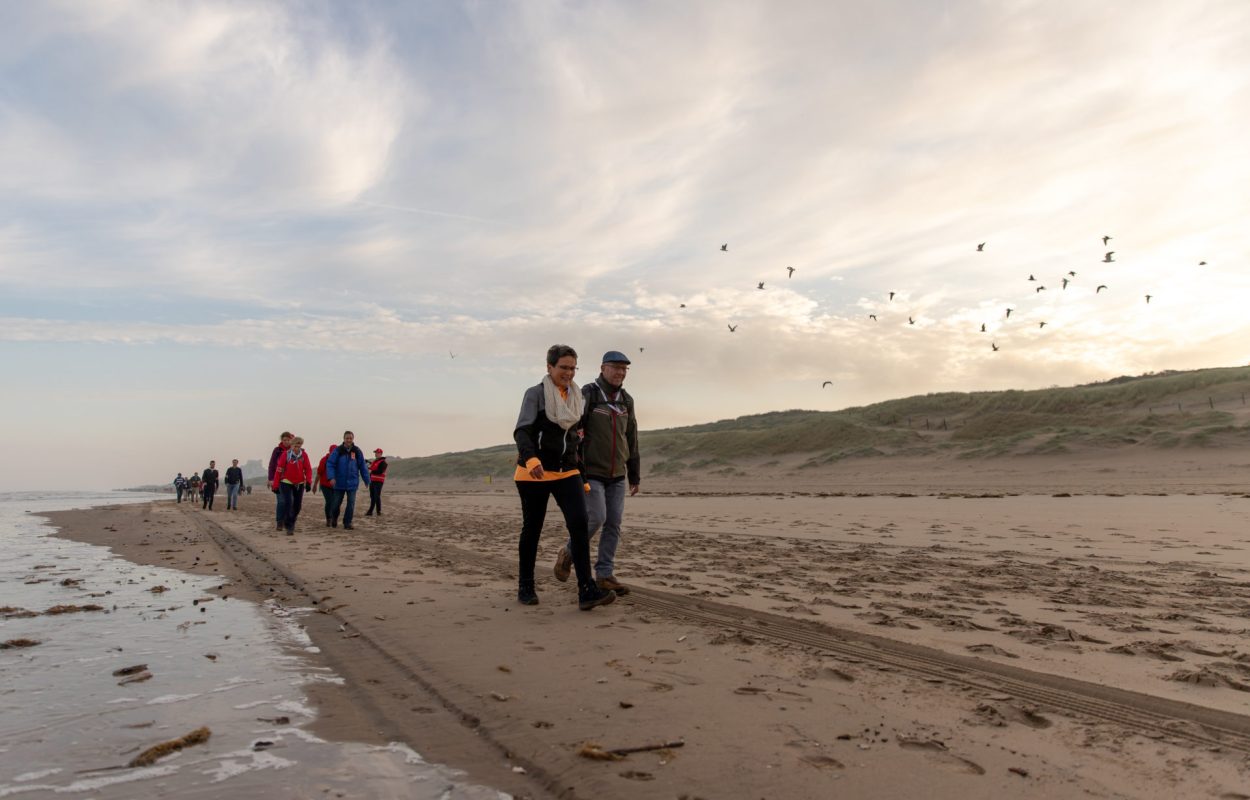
(799, 645)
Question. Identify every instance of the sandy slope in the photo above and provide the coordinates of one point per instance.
(1148, 593)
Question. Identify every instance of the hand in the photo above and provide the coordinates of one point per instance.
(633, 489)
(308, 487)
(537, 472)
(274, 490)
(331, 482)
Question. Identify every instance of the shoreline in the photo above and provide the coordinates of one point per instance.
(425, 596)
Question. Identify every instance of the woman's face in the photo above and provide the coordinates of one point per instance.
(562, 372)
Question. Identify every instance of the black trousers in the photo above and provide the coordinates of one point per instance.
(375, 497)
(571, 498)
(210, 489)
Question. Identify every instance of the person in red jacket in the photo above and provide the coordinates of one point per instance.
(377, 477)
(324, 485)
(291, 477)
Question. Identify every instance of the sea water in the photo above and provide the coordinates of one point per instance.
(68, 725)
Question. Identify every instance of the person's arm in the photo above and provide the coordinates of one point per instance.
(273, 462)
(363, 467)
(523, 433)
(308, 473)
(330, 468)
(633, 467)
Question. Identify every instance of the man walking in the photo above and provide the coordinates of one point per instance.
(180, 486)
(377, 477)
(234, 482)
(610, 461)
(284, 444)
(210, 478)
(346, 470)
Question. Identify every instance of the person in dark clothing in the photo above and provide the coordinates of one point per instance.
(323, 483)
(346, 470)
(548, 440)
(234, 482)
(610, 461)
(377, 477)
(284, 444)
(193, 487)
(209, 479)
(180, 486)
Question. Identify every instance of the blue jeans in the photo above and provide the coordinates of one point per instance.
(232, 495)
(281, 509)
(337, 503)
(605, 506)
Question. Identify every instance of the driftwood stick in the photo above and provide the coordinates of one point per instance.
(624, 751)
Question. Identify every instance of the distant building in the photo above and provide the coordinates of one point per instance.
(255, 468)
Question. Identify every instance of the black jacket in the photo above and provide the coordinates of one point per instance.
(210, 477)
(558, 450)
(234, 475)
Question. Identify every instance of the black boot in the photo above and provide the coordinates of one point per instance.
(590, 595)
(526, 596)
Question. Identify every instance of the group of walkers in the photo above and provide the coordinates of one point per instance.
(338, 476)
(202, 486)
(580, 446)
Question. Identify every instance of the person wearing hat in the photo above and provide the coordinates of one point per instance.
(377, 477)
(324, 486)
(610, 461)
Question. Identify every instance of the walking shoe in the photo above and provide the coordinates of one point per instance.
(587, 600)
(280, 526)
(327, 523)
(347, 527)
(526, 596)
(610, 583)
(564, 564)
(368, 513)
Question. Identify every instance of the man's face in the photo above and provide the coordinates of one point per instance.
(349, 439)
(234, 463)
(212, 464)
(614, 373)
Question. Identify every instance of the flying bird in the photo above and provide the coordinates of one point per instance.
(872, 317)
(1202, 263)
(761, 286)
(725, 247)
(1107, 259)
(1065, 283)
(891, 295)
(982, 327)
(1039, 289)
(733, 328)
(642, 349)
(1148, 298)
(981, 247)
(1009, 313)
(994, 346)
(1032, 278)
(1100, 288)
(826, 383)
(1105, 239)
(1073, 274)
(1041, 325)
(453, 355)
(791, 271)
(683, 305)
(911, 320)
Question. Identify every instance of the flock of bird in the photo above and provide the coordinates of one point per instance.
(1108, 258)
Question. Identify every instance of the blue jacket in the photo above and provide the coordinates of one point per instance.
(347, 476)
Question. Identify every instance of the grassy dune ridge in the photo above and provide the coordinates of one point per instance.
(1199, 408)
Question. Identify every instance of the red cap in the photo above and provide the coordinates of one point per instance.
(377, 451)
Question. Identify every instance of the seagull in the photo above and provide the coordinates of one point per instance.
(1039, 289)
(872, 317)
(1105, 239)
(1008, 313)
(826, 383)
(1100, 288)
(683, 305)
(642, 349)
(725, 247)
(1148, 298)
(982, 327)
(761, 286)
(1065, 283)
(1107, 259)
(1032, 278)
(733, 328)
(1202, 263)
(453, 355)
(891, 295)
(981, 247)
(1073, 274)
(1041, 325)
(911, 320)
(994, 346)
(791, 270)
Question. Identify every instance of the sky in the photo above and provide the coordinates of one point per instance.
(221, 220)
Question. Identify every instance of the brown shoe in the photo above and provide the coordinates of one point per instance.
(611, 583)
(564, 564)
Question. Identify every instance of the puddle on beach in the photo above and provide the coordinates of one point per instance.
(236, 667)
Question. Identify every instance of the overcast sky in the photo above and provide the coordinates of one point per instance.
(219, 220)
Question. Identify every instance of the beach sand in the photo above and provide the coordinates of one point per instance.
(798, 642)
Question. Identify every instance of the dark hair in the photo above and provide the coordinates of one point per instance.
(348, 433)
(286, 435)
(557, 352)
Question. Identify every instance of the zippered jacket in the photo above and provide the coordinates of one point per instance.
(538, 437)
(377, 470)
(610, 446)
(234, 475)
(347, 468)
(297, 471)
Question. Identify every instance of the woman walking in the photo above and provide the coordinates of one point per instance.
(291, 477)
(548, 444)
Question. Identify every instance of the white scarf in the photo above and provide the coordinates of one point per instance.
(565, 413)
